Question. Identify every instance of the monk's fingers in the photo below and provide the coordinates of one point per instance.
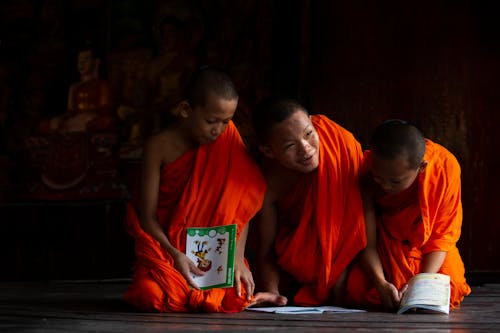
(185, 271)
(394, 303)
(390, 302)
(243, 279)
(249, 285)
(403, 291)
(250, 288)
(192, 283)
(237, 282)
(188, 276)
(195, 270)
(390, 296)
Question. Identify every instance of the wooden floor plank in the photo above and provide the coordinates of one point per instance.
(97, 306)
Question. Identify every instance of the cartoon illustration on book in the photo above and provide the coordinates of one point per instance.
(202, 263)
(212, 249)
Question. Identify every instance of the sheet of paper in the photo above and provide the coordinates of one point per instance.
(339, 309)
(303, 309)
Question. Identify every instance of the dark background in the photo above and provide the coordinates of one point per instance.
(434, 63)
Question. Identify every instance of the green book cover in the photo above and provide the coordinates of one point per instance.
(213, 250)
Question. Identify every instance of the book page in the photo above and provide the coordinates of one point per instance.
(303, 309)
(427, 291)
(213, 250)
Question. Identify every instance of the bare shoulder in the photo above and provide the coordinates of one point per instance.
(165, 147)
(158, 147)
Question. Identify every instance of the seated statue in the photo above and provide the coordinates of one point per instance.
(90, 106)
(80, 141)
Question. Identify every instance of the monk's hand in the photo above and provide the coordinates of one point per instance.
(268, 299)
(243, 275)
(402, 291)
(389, 295)
(186, 267)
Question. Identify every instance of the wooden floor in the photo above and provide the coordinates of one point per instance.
(97, 306)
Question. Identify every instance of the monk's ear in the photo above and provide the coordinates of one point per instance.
(183, 109)
(266, 150)
(422, 166)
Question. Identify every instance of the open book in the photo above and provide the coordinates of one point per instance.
(427, 292)
(213, 249)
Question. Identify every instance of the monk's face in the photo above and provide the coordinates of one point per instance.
(207, 122)
(294, 143)
(394, 175)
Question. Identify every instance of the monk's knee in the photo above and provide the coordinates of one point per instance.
(145, 294)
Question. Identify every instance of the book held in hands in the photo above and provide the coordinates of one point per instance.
(213, 251)
(427, 292)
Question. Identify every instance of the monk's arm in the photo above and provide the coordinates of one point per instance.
(240, 246)
(432, 261)
(370, 258)
(148, 207)
(241, 273)
(149, 195)
(266, 227)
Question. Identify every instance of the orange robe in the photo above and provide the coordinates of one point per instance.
(213, 184)
(321, 222)
(424, 218)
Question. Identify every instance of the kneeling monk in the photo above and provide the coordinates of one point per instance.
(311, 224)
(197, 173)
(411, 189)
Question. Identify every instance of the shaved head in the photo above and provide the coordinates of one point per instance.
(395, 138)
(270, 112)
(209, 80)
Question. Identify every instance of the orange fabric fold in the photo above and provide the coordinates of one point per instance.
(214, 184)
(424, 218)
(321, 222)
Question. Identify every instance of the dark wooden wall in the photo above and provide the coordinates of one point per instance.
(435, 63)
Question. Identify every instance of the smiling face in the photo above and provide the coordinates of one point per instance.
(294, 143)
(394, 175)
(206, 122)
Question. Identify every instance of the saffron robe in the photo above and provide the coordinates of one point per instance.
(214, 184)
(321, 221)
(424, 218)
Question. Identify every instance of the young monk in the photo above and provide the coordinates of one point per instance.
(411, 189)
(196, 173)
(311, 224)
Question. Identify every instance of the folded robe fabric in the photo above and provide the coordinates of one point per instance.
(214, 184)
(321, 222)
(424, 218)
